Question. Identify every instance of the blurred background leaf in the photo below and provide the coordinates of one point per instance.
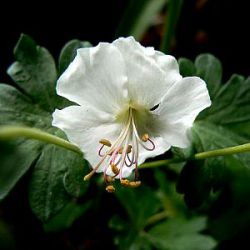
(139, 15)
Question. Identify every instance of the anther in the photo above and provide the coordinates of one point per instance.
(88, 176)
(110, 189)
(134, 184)
(120, 150)
(114, 169)
(145, 137)
(109, 179)
(105, 142)
(125, 182)
(129, 149)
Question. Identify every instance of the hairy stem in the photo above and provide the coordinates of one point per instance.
(12, 132)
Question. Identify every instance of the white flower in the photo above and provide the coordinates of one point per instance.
(132, 104)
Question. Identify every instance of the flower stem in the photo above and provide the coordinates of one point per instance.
(12, 132)
(224, 151)
(200, 156)
(174, 9)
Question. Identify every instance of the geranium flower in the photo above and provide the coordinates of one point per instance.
(132, 104)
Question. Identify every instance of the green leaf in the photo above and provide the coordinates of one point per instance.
(231, 105)
(47, 193)
(134, 199)
(16, 159)
(68, 215)
(132, 240)
(226, 123)
(179, 234)
(209, 69)
(35, 72)
(16, 108)
(57, 173)
(68, 53)
(138, 17)
(187, 67)
(73, 178)
(235, 218)
(171, 200)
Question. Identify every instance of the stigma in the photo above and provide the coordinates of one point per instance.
(122, 153)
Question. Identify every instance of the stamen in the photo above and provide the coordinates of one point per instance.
(122, 154)
(134, 184)
(153, 145)
(105, 142)
(120, 150)
(109, 179)
(136, 172)
(114, 169)
(145, 137)
(130, 162)
(110, 189)
(125, 182)
(89, 175)
(100, 151)
(129, 149)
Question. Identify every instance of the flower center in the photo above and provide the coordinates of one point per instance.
(123, 152)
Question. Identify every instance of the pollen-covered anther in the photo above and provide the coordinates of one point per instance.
(134, 184)
(125, 182)
(145, 137)
(109, 179)
(88, 176)
(105, 142)
(114, 169)
(110, 189)
(129, 149)
(120, 150)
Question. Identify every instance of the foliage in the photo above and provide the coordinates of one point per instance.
(153, 216)
(31, 103)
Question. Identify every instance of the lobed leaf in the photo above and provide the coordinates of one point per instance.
(57, 173)
(68, 53)
(178, 234)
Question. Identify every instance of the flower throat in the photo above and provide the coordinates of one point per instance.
(123, 152)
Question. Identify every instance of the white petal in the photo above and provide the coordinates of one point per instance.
(179, 108)
(150, 73)
(85, 126)
(96, 76)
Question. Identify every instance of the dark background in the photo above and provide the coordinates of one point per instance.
(217, 26)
